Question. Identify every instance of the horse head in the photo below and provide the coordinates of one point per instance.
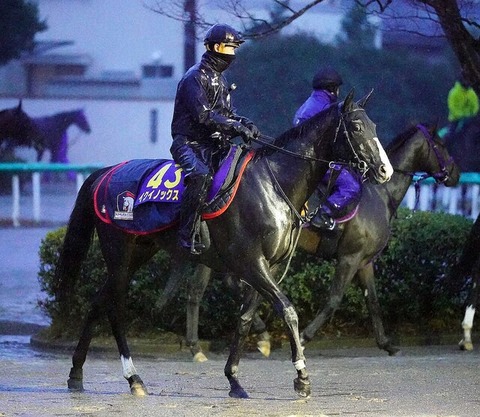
(81, 121)
(361, 140)
(440, 165)
(17, 126)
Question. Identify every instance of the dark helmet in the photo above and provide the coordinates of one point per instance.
(221, 33)
(326, 78)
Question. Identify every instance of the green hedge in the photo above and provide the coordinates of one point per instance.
(411, 282)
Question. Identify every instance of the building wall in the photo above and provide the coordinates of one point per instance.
(118, 37)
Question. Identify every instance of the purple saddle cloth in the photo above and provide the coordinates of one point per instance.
(142, 195)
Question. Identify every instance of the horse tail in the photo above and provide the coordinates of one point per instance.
(77, 241)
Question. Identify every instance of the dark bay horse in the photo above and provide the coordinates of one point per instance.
(248, 240)
(16, 127)
(469, 265)
(362, 239)
(51, 134)
(464, 145)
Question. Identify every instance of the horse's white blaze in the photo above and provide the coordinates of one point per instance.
(385, 160)
(128, 368)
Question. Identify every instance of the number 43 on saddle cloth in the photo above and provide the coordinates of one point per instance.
(142, 196)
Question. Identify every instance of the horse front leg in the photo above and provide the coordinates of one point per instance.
(366, 279)
(195, 289)
(467, 323)
(250, 303)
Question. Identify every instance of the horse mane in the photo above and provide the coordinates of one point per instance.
(294, 133)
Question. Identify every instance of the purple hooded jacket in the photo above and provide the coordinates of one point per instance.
(347, 189)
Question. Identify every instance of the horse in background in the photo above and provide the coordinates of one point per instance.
(464, 145)
(52, 135)
(16, 129)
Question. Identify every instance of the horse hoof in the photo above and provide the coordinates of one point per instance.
(199, 357)
(137, 387)
(302, 387)
(75, 385)
(392, 350)
(468, 346)
(264, 347)
(238, 393)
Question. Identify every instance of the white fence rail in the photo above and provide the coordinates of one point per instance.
(464, 199)
(35, 169)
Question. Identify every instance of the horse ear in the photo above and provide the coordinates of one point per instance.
(348, 102)
(362, 102)
(19, 107)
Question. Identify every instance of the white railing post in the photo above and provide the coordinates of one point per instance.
(36, 196)
(15, 200)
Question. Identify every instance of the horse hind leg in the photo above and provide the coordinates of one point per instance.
(251, 300)
(75, 378)
(195, 290)
(467, 323)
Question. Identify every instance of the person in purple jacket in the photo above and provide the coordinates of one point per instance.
(346, 189)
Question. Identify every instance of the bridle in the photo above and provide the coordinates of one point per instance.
(440, 177)
(361, 165)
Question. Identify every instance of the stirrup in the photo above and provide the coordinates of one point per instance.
(323, 222)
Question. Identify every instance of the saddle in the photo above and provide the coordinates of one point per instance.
(142, 196)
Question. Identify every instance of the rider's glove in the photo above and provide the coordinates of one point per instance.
(243, 131)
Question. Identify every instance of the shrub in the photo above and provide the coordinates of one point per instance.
(410, 274)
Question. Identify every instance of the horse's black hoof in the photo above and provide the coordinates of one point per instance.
(75, 380)
(75, 385)
(302, 387)
(238, 392)
(137, 387)
(392, 350)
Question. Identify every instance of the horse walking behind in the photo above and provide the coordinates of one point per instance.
(52, 135)
(464, 145)
(248, 239)
(469, 265)
(360, 240)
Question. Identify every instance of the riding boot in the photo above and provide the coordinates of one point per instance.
(190, 213)
(322, 220)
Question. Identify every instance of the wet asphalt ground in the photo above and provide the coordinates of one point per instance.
(427, 381)
(438, 381)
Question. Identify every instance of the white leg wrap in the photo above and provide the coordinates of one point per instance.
(299, 365)
(128, 368)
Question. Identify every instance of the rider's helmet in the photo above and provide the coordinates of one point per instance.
(327, 79)
(221, 33)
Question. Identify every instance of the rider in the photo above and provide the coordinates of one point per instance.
(345, 184)
(462, 103)
(203, 123)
